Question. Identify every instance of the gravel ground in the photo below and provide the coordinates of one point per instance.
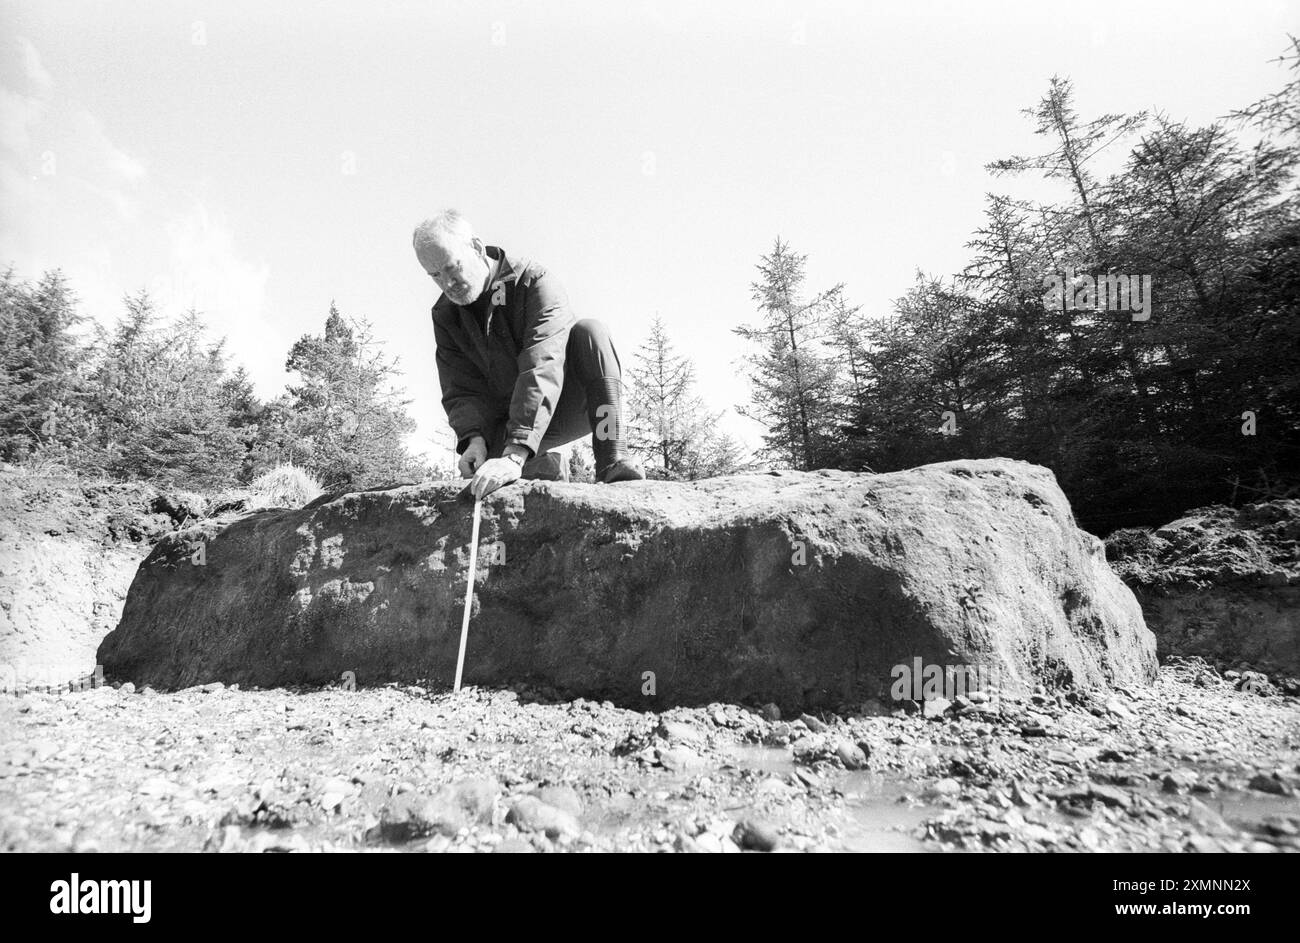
(1190, 764)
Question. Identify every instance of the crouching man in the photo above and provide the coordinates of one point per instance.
(519, 375)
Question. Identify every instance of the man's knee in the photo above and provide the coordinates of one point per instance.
(590, 351)
(591, 331)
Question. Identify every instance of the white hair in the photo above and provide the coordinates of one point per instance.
(437, 228)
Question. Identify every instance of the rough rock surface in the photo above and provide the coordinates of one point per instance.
(803, 589)
(1220, 582)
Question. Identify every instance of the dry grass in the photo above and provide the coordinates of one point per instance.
(285, 486)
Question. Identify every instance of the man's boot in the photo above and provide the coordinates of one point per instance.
(608, 443)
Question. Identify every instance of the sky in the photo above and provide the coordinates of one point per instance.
(260, 160)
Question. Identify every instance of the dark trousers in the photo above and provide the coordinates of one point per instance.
(589, 356)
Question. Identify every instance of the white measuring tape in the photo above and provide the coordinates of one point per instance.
(469, 592)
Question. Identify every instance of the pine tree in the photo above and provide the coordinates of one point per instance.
(794, 380)
(1139, 417)
(1280, 111)
(40, 361)
(345, 420)
(1077, 144)
(158, 404)
(672, 428)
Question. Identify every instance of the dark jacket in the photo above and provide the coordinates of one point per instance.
(513, 371)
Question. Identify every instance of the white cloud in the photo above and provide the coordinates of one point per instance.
(18, 113)
(73, 199)
(208, 274)
(102, 154)
(33, 69)
(63, 182)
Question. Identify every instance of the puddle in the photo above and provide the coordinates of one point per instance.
(872, 818)
(775, 761)
(878, 821)
(1246, 810)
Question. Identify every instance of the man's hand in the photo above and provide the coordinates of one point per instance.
(492, 475)
(473, 457)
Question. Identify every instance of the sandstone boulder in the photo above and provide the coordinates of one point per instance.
(801, 588)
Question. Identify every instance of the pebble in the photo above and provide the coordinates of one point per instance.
(935, 707)
(813, 723)
(1038, 833)
(678, 758)
(561, 797)
(807, 777)
(674, 731)
(1110, 795)
(850, 755)
(687, 845)
(1270, 784)
(755, 835)
(773, 787)
(708, 842)
(1117, 707)
(943, 787)
(476, 797)
(530, 814)
(410, 815)
(779, 734)
(770, 712)
(333, 792)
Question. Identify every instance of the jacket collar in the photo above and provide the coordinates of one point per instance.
(505, 268)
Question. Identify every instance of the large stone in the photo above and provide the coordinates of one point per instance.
(1220, 582)
(800, 588)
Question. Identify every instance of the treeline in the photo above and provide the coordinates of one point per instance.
(153, 400)
(1141, 337)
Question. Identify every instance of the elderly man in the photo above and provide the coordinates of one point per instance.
(519, 375)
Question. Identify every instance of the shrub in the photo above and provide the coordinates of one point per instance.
(285, 486)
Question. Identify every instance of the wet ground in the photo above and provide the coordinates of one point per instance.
(1190, 764)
